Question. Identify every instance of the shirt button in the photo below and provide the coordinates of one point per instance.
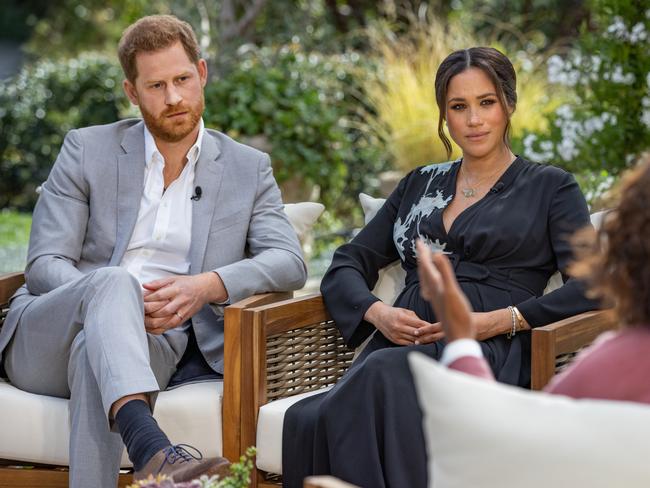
(157, 237)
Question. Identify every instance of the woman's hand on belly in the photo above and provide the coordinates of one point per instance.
(402, 326)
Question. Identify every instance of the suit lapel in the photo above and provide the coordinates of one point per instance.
(130, 185)
(208, 175)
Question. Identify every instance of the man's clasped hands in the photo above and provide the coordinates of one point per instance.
(170, 301)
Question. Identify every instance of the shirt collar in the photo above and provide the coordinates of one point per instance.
(151, 150)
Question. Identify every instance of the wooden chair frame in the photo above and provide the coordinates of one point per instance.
(277, 347)
(14, 474)
(272, 377)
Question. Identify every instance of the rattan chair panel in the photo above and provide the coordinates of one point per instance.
(563, 361)
(305, 359)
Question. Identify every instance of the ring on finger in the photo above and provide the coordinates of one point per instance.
(179, 315)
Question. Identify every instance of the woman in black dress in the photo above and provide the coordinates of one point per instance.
(504, 223)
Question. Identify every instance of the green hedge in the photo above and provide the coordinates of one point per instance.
(303, 105)
(39, 106)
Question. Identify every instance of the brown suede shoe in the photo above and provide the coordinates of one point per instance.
(182, 465)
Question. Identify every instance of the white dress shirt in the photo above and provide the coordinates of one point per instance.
(160, 243)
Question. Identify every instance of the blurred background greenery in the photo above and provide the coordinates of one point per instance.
(339, 92)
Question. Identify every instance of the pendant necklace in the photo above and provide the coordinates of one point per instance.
(470, 191)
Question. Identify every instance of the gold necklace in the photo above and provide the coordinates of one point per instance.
(470, 191)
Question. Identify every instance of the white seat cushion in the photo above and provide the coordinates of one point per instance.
(483, 433)
(269, 431)
(35, 427)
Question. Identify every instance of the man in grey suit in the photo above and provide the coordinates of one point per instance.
(142, 230)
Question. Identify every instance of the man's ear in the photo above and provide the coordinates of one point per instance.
(129, 90)
(202, 67)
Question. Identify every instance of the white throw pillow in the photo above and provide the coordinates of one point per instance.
(391, 278)
(485, 434)
(303, 215)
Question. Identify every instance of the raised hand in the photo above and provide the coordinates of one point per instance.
(438, 285)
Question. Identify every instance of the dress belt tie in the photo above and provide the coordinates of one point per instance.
(468, 272)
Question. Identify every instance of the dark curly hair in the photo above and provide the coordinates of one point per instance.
(615, 262)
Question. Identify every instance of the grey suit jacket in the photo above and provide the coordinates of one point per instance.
(89, 204)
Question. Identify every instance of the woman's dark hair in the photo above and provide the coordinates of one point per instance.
(494, 64)
(615, 262)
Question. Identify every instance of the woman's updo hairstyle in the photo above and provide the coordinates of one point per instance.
(495, 65)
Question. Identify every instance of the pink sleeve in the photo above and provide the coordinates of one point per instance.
(474, 366)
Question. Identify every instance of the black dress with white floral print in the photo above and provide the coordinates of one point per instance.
(504, 248)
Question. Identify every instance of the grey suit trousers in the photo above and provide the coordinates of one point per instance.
(86, 340)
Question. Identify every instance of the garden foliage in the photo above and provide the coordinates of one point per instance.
(606, 123)
(39, 106)
(305, 108)
(402, 89)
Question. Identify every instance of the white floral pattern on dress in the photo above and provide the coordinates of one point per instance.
(423, 208)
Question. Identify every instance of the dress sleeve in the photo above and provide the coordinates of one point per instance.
(355, 269)
(568, 213)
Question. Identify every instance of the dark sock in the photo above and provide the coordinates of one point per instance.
(140, 432)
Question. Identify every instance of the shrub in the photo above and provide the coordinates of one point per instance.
(39, 106)
(606, 124)
(302, 108)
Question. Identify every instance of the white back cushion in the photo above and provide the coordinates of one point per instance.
(391, 278)
(303, 215)
(483, 433)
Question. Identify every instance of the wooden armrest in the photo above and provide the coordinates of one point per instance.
(232, 370)
(9, 283)
(296, 313)
(565, 337)
(326, 482)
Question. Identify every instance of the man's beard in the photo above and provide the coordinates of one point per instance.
(170, 130)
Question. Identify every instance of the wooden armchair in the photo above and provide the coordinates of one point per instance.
(26, 472)
(293, 346)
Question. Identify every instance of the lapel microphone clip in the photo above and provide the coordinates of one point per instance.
(197, 194)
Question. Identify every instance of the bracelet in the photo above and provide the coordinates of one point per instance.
(520, 319)
(513, 315)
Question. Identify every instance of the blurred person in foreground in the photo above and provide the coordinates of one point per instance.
(144, 230)
(616, 264)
